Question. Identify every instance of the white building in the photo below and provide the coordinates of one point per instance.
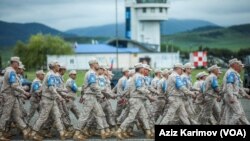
(106, 55)
(143, 19)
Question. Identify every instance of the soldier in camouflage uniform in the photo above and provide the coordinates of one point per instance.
(199, 85)
(176, 91)
(233, 112)
(121, 91)
(1, 97)
(49, 106)
(187, 80)
(90, 104)
(36, 93)
(211, 94)
(21, 99)
(72, 89)
(11, 106)
(138, 96)
(161, 98)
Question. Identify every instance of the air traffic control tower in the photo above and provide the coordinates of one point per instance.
(143, 19)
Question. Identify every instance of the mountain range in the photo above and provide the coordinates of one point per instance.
(12, 32)
(168, 27)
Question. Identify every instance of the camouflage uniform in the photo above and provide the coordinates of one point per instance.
(1, 97)
(91, 106)
(161, 98)
(121, 91)
(36, 92)
(211, 93)
(72, 89)
(49, 106)
(176, 91)
(233, 113)
(136, 102)
(11, 106)
(188, 101)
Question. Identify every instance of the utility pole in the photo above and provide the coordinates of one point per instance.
(116, 33)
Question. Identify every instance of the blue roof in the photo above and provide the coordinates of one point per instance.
(102, 48)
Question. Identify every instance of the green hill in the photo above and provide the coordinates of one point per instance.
(12, 32)
(233, 38)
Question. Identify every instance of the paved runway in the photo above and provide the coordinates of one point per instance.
(139, 134)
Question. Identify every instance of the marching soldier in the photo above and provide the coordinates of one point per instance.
(36, 93)
(11, 106)
(72, 89)
(91, 106)
(49, 105)
(161, 98)
(176, 91)
(121, 91)
(233, 112)
(187, 80)
(211, 94)
(138, 96)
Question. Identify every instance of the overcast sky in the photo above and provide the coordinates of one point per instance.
(68, 14)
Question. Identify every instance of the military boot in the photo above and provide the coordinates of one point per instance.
(35, 136)
(64, 135)
(108, 132)
(119, 134)
(85, 131)
(78, 136)
(3, 138)
(113, 131)
(26, 133)
(130, 132)
(71, 132)
(148, 134)
(125, 134)
(104, 134)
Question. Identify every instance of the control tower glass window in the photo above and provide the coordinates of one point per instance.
(151, 1)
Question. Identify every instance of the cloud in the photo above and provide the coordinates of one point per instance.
(67, 14)
(62, 14)
(223, 12)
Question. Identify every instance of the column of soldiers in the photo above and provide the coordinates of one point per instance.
(168, 98)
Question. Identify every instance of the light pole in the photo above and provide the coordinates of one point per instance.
(116, 33)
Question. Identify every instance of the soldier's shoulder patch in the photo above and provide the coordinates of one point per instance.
(92, 78)
(12, 77)
(178, 82)
(230, 77)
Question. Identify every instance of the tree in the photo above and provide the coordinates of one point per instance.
(34, 53)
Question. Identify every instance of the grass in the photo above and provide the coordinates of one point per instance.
(80, 76)
(225, 38)
(79, 80)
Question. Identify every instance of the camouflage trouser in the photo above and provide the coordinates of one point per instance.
(90, 106)
(149, 109)
(207, 111)
(233, 113)
(48, 107)
(158, 107)
(136, 108)
(174, 107)
(120, 107)
(1, 104)
(11, 108)
(189, 105)
(109, 112)
(71, 106)
(34, 106)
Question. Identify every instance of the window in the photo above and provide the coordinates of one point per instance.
(160, 10)
(144, 10)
